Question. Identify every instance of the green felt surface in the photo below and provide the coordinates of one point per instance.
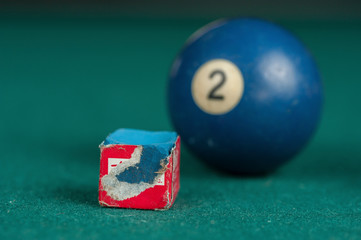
(68, 82)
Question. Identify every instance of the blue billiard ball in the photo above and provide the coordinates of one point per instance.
(245, 95)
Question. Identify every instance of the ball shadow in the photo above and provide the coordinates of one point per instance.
(191, 166)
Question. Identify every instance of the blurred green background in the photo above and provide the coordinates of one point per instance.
(279, 9)
(72, 72)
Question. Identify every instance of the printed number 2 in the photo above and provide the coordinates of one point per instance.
(212, 94)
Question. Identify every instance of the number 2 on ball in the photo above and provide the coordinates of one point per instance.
(217, 86)
(212, 94)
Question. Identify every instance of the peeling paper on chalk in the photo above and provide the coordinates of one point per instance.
(120, 190)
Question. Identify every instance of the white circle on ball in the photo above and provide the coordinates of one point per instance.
(217, 86)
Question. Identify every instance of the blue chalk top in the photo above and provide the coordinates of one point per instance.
(141, 137)
(156, 147)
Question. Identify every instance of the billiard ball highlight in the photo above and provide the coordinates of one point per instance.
(245, 95)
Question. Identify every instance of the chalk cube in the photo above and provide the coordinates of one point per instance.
(139, 169)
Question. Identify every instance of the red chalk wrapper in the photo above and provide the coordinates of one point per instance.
(139, 169)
